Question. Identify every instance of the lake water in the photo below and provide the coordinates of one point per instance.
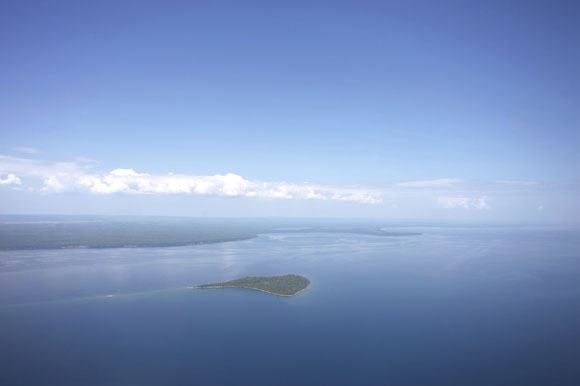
(453, 306)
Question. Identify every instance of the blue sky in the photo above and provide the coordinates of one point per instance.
(437, 110)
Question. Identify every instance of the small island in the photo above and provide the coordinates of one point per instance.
(287, 285)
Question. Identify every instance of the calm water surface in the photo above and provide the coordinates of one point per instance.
(476, 306)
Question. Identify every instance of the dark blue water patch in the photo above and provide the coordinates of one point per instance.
(450, 308)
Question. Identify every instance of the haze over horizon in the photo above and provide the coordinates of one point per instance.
(417, 110)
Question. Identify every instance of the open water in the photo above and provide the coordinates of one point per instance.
(453, 306)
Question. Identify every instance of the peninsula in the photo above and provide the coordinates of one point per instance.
(287, 285)
(73, 232)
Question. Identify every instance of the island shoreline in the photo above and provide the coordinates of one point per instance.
(250, 288)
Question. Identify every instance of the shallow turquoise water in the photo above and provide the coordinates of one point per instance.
(472, 306)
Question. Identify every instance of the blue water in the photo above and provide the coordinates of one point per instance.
(472, 306)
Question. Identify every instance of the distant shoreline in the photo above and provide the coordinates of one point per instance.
(127, 246)
(101, 235)
(152, 245)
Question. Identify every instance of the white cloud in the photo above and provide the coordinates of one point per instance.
(39, 168)
(516, 182)
(464, 202)
(127, 173)
(11, 179)
(441, 182)
(56, 176)
(26, 149)
(55, 184)
(85, 160)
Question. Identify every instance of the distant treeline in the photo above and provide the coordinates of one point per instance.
(50, 232)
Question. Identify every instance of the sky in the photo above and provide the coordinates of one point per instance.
(447, 110)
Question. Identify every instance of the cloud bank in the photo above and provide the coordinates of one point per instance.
(82, 175)
(60, 177)
(229, 185)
